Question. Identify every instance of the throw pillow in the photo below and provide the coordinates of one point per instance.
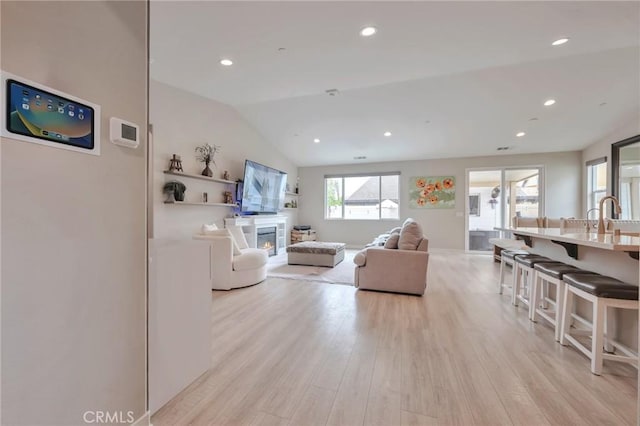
(395, 230)
(360, 258)
(208, 227)
(410, 235)
(392, 242)
(238, 235)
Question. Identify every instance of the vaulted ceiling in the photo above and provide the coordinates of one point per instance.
(447, 79)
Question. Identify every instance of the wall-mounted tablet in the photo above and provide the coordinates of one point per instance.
(39, 114)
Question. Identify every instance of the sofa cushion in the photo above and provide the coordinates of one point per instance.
(238, 236)
(250, 258)
(396, 230)
(360, 258)
(410, 235)
(392, 242)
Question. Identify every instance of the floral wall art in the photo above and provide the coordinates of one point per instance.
(432, 192)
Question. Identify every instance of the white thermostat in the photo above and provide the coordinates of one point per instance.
(124, 133)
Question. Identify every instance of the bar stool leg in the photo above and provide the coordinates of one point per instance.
(545, 294)
(559, 308)
(610, 327)
(597, 337)
(567, 309)
(536, 287)
(517, 279)
(501, 280)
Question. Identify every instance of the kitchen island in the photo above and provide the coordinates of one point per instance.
(607, 254)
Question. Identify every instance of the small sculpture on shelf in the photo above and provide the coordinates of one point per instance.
(175, 164)
(174, 190)
(225, 175)
(205, 197)
(205, 154)
(228, 197)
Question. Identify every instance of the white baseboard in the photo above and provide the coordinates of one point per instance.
(144, 420)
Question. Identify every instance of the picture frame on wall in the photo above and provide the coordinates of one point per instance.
(432, 192)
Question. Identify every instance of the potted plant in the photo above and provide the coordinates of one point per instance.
(205, 154)
(175, 191)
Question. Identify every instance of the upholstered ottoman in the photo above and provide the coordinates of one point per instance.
(315, 253)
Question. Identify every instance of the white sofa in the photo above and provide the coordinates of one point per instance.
(230, 271)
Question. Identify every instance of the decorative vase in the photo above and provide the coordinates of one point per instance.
(179, 195)
(207, 171)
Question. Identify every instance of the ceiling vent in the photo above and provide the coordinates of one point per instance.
(332, 92)
(503, 148)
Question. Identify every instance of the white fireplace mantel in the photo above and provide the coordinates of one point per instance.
(251, 224)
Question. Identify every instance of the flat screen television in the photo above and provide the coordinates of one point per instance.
(263, 189)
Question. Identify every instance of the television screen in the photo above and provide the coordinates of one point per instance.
(263, 189)
(43, 115)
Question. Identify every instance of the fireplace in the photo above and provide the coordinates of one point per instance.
(267, 239)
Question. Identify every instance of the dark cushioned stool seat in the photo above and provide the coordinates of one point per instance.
(602, 286)
(509, 254)
(557, 270)
(531, 259)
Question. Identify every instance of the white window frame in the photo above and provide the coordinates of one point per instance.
(379, 175)
(591, 183)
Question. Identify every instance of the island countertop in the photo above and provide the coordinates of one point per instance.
(590, 239)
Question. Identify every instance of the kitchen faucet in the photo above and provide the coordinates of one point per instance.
(616, 204)
(595, 224)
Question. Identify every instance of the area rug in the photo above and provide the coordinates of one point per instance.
(342, 273)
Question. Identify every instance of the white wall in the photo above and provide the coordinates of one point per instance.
(181, 121)
(443, 227)
(73, 225)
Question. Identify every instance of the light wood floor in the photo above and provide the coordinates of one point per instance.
(302, 353)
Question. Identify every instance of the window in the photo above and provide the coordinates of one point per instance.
(596, 181)
(367, 196)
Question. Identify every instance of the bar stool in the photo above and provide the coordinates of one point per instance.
(545, 273)
(506, 258)
(522, 274)
(604, 293)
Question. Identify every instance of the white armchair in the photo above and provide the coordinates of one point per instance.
(230, 271)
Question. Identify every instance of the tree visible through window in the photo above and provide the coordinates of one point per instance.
(372, 196)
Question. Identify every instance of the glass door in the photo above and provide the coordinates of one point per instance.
(523, 193)
(495, 196)
(484, 208)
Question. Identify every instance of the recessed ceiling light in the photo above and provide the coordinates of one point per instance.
(387, 134)
(560, 41)
(316, 140)
(520, 134)
(368, 31)
(549, 102)
(226, 62)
